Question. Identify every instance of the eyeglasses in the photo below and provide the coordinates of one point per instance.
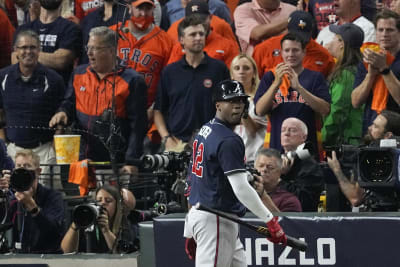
(95, 48)
(27, 47)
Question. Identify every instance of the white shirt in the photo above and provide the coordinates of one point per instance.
(325, 36)
(252, 144)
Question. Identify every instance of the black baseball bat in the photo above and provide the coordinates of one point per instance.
(291, 241)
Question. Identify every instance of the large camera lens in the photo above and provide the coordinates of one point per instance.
(85, 215)
(22, 179)
(157, 161)
(376, 166)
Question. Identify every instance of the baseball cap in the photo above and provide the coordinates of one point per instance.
(137, 3)
(350, 33)
(197, 7)
(300, 23)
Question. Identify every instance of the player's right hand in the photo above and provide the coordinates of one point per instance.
(190, 248)
(276, 231)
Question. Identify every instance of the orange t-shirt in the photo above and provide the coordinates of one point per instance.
(217, 24)
(216, 47)
(268, 54)
(148, 55)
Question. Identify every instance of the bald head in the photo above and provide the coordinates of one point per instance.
(293, 133)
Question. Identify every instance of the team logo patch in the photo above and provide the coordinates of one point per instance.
(195, 8)
(82, 89)
(320, 63)
(276, 52)
(302, 24)
(207, 83)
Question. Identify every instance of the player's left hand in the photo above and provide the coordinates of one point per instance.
(276, 231)
(190, 248)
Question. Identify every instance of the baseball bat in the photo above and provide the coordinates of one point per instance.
(291, 241)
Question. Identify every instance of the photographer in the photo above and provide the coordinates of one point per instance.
(268, 186)
(112, 231)
(37, 212)
(385, 126)
(302, 177)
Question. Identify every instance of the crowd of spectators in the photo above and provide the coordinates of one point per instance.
(318, 72)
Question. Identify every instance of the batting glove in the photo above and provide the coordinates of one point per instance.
(277, 234)
(190, 248)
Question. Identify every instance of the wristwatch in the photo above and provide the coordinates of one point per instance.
(385, 71)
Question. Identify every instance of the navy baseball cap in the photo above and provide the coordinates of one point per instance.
(197, 7)
(300, 23)
(350, 33)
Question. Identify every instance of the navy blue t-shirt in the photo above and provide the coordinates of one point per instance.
(369, 114)
(184, 95)
(217, 153)
(61, 33)
(294, 105)
(30, 103)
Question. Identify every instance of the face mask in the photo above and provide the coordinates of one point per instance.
(50, 4)
(142, 23)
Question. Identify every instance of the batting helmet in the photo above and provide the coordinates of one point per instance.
(229, 89)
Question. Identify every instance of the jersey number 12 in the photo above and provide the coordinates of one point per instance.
(197, 169)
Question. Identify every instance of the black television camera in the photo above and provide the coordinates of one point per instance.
(376, 169)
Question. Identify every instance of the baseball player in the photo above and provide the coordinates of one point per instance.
(219, 180)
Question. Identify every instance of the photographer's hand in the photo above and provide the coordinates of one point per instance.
(103, 222)
(5, 180)
(334, 163)
(26, 198)
(104, 226)
(258, 184)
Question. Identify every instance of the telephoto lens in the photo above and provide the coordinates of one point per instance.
(86, 215)
(22, 179)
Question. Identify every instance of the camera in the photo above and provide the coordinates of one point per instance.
(302, 152)
(171, 161)
(22, 179)
(86, 215)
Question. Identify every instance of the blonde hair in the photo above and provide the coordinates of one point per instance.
(28, 153)
(255, 80)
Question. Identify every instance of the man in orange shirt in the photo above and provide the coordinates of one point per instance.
(268, 53)
(144, 46)
(218, 25)
(216, 47)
